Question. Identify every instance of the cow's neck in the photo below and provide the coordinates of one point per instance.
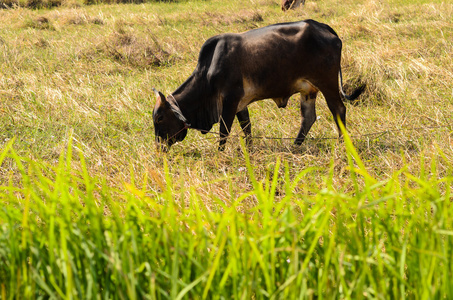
(198, 103)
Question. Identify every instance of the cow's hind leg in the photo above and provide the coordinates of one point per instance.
(308, 112)
(244, 120)
(336, 107)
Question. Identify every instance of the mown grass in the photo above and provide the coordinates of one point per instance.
(92, 69)
(78, 79)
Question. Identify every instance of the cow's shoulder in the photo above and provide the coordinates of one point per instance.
(212, 43)
(217, 46)
(217, 56)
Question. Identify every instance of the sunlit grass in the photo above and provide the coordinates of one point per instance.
(91, 209)
(92, 69)
(66, 234)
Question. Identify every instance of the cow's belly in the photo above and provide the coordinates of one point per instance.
(254, 93)
(243, 104)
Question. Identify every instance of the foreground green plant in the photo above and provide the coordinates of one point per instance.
(66, 234)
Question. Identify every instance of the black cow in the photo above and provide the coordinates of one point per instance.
(235, 70)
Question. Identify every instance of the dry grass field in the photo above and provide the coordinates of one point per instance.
(81, 76)
(88, 71)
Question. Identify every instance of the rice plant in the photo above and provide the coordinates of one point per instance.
(66, 234)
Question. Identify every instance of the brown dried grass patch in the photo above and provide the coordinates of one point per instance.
(40, 22)
(129, 48)
(80, 18)
(250, 18)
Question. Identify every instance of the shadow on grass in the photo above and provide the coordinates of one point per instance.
(311, 146)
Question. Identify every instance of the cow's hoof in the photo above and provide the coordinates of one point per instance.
(298, 142)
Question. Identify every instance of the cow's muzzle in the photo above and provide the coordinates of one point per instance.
(162, 145)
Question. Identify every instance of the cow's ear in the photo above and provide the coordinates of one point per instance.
(159, 96)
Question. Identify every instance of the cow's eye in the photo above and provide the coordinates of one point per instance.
(159, 119)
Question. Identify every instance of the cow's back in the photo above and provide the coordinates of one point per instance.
(276, 57)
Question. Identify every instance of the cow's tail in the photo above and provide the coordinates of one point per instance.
(355, 94)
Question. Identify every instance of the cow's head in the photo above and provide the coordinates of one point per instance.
(170, 126)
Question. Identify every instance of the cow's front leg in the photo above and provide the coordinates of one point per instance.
(308, 112)
(244, 120)
(226, 122)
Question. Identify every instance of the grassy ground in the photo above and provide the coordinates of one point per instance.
(90, 71)
(83, 76)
